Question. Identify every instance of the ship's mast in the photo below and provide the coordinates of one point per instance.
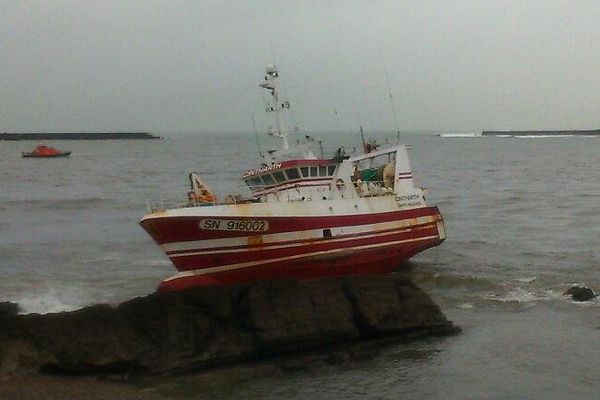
(276, 106)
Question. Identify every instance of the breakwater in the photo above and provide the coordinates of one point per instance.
(78, 136)
(585, 132)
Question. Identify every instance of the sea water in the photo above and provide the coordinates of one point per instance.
(521, 217)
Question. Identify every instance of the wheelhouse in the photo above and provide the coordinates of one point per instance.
(290, 174)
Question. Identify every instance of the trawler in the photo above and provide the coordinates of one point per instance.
(305, 218)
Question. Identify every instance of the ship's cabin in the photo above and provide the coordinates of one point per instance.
(377, 173)
(292, 174)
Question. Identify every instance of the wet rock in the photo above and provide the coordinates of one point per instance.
(205, 327)
(289, 315)
(391, 307)
(8, 309)
(580, 293)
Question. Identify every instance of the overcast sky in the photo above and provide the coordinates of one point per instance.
(168, 66)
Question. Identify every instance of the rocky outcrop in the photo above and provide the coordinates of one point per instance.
(580, 293)
(8, 309)
(171, 332)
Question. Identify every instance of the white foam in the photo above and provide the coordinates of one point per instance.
(51, 299)
(518, 295)
(530, 297)
(461, 135)
(590, 303)
(43, 305)
(156, 263)
(109, 256)
(526, 279)
(554, 295)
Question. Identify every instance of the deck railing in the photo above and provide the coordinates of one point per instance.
(183, 199)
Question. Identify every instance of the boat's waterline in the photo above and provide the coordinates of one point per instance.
(379, 257)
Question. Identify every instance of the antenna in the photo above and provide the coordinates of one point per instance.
(394, 114)
(276, 106)
(337, 120)
(360, 128)
(260, 154)
(362, 136)
(387, 81)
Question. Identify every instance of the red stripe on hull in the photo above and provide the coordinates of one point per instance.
(300, 241)
(198, 261)
(181, 229)
(368, 261)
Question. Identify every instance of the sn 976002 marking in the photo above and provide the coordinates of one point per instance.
(241, 225)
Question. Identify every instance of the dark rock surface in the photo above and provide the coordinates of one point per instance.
(580, 293)
(8, 309)
(175, 332)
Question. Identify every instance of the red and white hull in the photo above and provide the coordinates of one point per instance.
(307, 217)
(239, 243)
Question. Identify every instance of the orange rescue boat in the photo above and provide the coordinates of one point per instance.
(42, 151)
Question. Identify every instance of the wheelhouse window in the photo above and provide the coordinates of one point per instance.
(330, 169)
(323, 170)
(254, 182)
(313, 171)
(279, 177)
(268, 178)
(292, 173)
(304, 171)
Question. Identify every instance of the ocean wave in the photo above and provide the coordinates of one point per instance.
(531, 295)
(591, 303)
(526, 279)
(518, 295)
(62, 204)
(450, 281)
(69, 295)
(465, 306)
(476, 242)
(155, 263)
(108, 256)
(515, 197)
(44, 305)
(558, 295)
(467, 292)
(51, 299)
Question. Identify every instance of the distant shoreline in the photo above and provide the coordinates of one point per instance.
(78, 136)
(584, 132)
